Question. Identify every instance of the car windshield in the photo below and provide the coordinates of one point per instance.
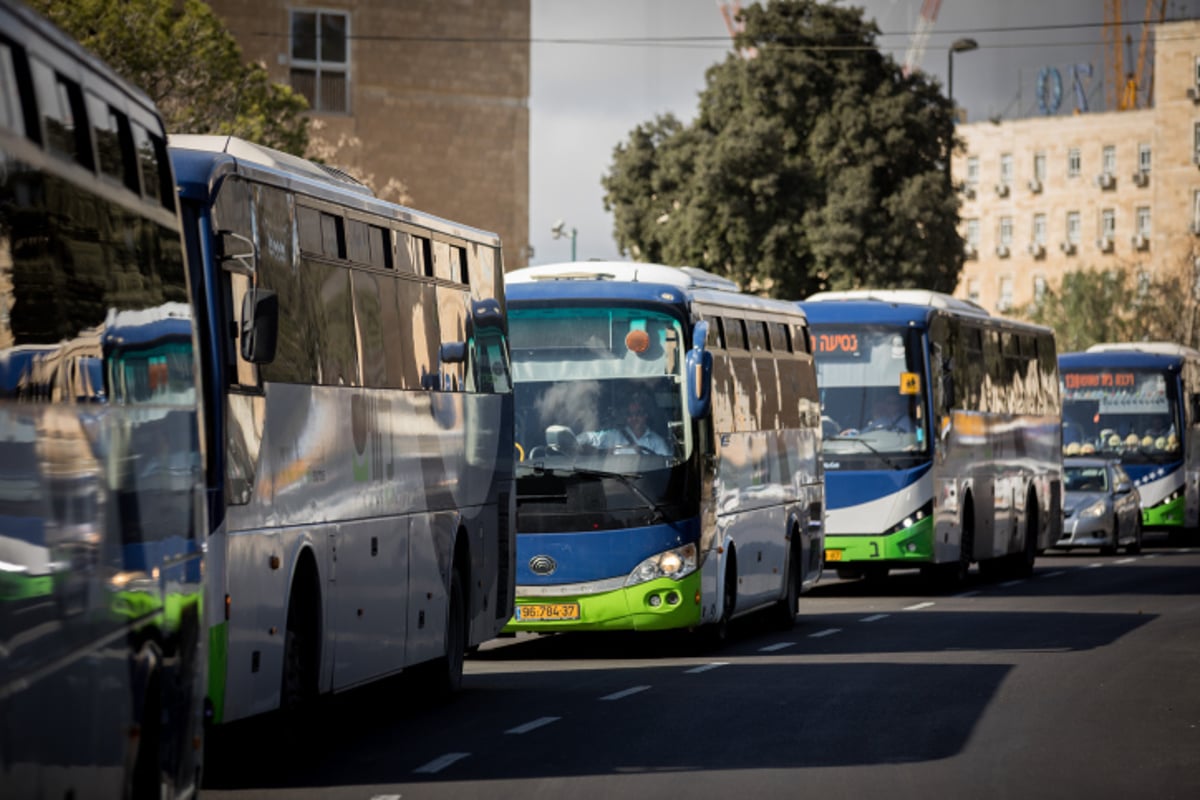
(1085, 479)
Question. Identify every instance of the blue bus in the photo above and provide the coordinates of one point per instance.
(1140, 403)
(359, 421)
(941, 435)
(102, 514)
(667, 431)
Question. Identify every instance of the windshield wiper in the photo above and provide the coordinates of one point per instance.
(867, 445)
(627, 479)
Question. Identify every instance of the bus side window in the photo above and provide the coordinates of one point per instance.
(779, 339)
(60, 102)
(1195, 409)
(10, 97)
(735, 334)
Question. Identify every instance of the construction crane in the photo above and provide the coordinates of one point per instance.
(1123, 87)
(916, 48)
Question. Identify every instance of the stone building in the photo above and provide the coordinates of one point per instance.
(1048, 195)
(432, 95)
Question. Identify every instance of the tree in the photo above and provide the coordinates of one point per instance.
(183, 57)
(813, 164)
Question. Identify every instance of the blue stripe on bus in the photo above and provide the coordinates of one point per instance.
(853, 487)
(596, 555)
(1149, 472)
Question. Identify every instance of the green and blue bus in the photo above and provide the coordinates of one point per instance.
(667, 428)
(1140, 403)
(970, 471)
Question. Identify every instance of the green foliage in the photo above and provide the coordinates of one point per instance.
(183, 57)
(1089, 307)
(815, 164)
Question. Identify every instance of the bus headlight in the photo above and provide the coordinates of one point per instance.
(1096, 509)
(674, 563)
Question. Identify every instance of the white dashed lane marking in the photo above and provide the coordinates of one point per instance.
(826, 632)
(540, 722)
(625, 693)
(771, 648)
(1009, 584)
(875, 618)
(705, 667)
(440, 763)
(1125, 561)
(1054, 574)
(917, 607)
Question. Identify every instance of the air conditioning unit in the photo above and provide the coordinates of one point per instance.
(1004, 304)
(1002, 251)
(1036, 249)
(1140, 242)
(1141, 178)
(969, 192)
(1002, 190)
(1067, 247)
(1106, 180)
(1104, 244)
(1193, 94)
(970, 253)
(1035, 186)
(1195, 228)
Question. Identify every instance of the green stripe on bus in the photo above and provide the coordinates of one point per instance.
(625, 609)
(218, 646)
(914, 543)
(1168, 514)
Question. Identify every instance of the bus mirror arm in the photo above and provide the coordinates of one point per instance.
(452, 352)
(237, 253)
(260, 324)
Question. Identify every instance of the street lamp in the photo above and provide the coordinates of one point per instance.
(560, 230)
(959, 46)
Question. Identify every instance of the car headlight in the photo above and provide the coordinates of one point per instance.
(674, 563)
(1097, 509)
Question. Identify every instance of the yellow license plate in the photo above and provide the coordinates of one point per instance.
(547, 611)
(833, 555)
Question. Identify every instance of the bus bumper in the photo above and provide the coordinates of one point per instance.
(661, 604)
(1167, 514)
(913, 544)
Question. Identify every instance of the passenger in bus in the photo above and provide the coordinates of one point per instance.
(890, 412)
(634, 434)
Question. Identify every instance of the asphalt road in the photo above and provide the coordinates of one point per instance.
(1082, 681)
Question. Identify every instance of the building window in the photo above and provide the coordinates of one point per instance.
(1073, 227)
(1144, 159)
(1196, 143)
(1196, 212)
(972, 172)
(1108, 223)
(1143, 221)
(973, 235)
(1005, 301)
(1073, 163)
(1006, 169)
(320, 58)
(1039, 288)
(1006, 231)
(1109, 160)
(1039, 167)
(1039, 229)
(973, 290)
(1197, 75)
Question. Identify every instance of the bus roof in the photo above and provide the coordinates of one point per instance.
(625, 280)
(1133, 355)
(900, 307)
(909, 297)
(201, 161)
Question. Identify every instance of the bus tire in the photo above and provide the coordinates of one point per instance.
(784, 610)
(716, 633)
(951, 575)
(144, 779)
(442, 677)
(301, 643)
(1023, 562)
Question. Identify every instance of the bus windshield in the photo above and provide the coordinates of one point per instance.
(871, 390)
(1128, 413)
(598, 388)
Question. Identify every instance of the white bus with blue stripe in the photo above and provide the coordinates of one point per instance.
(1137, 402)
(940, 435)
(712, 511)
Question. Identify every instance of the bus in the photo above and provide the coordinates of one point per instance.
(359, 421)
(667, 431)
(970, 470)
(1140, 403)
(102, 638)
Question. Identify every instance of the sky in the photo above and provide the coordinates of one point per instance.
(588, 92)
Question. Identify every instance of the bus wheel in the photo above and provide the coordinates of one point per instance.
(715, 633)
(1023, 561)
(299, 688)
(443, 677)
(145, 779)
(784, 610)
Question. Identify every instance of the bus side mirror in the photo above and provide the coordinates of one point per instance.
(452, 352)
(698, 365)
(260, 325)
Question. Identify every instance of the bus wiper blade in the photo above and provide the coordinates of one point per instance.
(868, 445)
(628, 479)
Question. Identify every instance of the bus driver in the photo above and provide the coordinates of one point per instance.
(635, 433)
